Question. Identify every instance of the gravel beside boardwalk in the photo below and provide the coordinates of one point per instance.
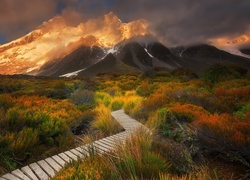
(47, 168)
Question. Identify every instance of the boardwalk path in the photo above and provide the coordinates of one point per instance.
(47, 168)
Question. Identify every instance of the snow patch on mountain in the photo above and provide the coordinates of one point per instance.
(148, 53)
(112, 50)
(234, 51)
(182, 52)
(72, 74)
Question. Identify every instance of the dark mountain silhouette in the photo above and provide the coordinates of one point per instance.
(81, 58)
(245, 51)
(200, 57)
(132, 56)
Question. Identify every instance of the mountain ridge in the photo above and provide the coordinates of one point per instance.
(57, 49)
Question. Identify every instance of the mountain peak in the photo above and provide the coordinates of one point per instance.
(55, 39)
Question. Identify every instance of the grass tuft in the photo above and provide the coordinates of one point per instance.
(104, 121)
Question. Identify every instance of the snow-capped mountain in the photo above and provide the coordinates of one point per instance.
(55, 39)
(105, 44)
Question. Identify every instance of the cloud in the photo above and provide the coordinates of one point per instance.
(20, 16)
(190, 21)
(174, 22)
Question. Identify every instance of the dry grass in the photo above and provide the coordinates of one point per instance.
(104, 121)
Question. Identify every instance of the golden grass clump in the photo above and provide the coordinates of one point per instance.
(104, 121)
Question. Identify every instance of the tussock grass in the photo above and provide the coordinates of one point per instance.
(136, 159)
(104, 121)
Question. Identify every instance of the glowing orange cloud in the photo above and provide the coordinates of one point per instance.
(54, 39)
(232, 41)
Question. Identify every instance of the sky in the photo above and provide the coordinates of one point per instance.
(176, 22)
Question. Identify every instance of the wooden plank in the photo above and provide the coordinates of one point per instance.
(115, 142)
(71, 155)
(106, 143)
(20, 174)
(108, 148)
(26, 170)
(120, 137)
(99, 147)
(123, 135)
(89, 148)
(59, 160)
(46, 168)
(53, 164)
(38, 171)
(10, 177)
(117, 138)
(77, 153)
(109, 142)
(65, 157)
(83, 150)
(131, 124)
(94, 149)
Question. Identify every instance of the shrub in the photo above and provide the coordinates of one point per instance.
(233, 97)
(104, 98)
(242, 112)
(185, 73)
(188, 112)
(239, 69)
(6, 157)
(155, 101)
(131, 100)
(82, 126)
(220, 72)
(177, 154)
(84, 99)
(37, 122)
(6, 102)
(93, 167)
(59, 91)
(24, 141)
(116, 105)
(144, 89)
(133, 106)
(112, 91)
(227, 135)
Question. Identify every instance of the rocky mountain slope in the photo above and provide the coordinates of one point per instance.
(105, 44)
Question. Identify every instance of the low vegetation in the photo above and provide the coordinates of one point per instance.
(193, 120)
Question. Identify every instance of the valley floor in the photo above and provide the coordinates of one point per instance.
(200, 126)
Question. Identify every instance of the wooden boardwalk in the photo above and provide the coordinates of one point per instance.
(47, 168)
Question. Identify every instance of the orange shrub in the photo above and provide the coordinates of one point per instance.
(233, 94)
(62, 110)
(225, 132)
(189, 111)
(155, 101)
(161, 96)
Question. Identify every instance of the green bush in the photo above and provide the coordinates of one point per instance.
(185, 73)
(115, 105)
(220, 72)
(6, 102)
